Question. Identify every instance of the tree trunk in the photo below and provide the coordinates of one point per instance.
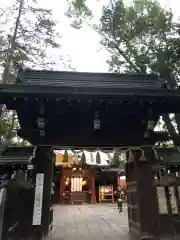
(172, 84)
(11, 50)
(12, 45)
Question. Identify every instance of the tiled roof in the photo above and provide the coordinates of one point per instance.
(84, 79)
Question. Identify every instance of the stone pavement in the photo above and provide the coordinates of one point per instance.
(89, 222)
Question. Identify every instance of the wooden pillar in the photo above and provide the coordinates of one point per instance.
(142, 195)
(93, 190)
(176, 192)
(126, 167)
(61, 183)
(117, 180)
(3, 196)
(177, 195)
(43, 163)
(147, 199)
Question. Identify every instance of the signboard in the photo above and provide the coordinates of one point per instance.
(106, 189)
(173, 200)
(38, 199)
(162, 200)
(106, 194)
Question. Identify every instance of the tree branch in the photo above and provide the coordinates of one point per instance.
(13, 42)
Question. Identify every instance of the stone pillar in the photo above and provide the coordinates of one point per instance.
(43, 163)
(145, 205)
(93, 190)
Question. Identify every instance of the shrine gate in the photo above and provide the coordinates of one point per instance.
(89, 111)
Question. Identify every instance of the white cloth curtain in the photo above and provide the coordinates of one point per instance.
(76, 184)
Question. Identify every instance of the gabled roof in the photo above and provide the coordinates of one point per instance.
(85, 79)
(103, 87)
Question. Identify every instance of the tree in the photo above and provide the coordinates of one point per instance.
(7, 125)
(12, 46)
(78, 11)
(143, 38)
(33, 32)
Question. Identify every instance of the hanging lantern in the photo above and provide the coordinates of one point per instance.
(84, 182)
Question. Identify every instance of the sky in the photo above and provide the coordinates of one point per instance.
(83, 46)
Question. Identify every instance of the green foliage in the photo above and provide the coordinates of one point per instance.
(31, 31)
(8, 125)
(8, 129)
(78, 11)
(141, 37)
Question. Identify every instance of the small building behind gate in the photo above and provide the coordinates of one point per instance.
(83, 173)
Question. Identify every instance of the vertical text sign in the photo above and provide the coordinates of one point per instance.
(38, 199)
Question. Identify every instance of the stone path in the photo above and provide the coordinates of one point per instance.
(89, 222)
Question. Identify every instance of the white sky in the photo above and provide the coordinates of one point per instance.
(82, 46)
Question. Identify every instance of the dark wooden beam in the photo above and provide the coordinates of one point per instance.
(121, 140)
(161, 96)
